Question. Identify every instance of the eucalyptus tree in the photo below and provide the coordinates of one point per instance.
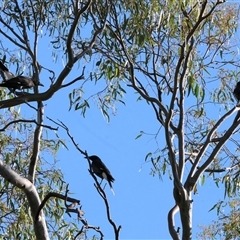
(227, 225)
(34, 195)
(181, 57)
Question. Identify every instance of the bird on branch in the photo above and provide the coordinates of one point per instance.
(100, 169)
(236, 91)
(13, 82)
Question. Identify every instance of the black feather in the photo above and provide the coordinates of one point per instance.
(236, 91)
(19, 82)
(16, 82)
(100, 169)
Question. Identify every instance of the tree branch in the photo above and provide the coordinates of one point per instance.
(60, 196)
(30, 191)
(206, 144)
(193, 180)
(26, 121)
(36, 144)
(171, 224)
(75, 80)
(97, 184)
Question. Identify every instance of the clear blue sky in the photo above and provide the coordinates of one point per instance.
(141, 202)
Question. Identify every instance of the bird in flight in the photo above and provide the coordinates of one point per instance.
(100, 169)
(13, 82)
(236, 91)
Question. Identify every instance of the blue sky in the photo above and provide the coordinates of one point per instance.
(141, 202)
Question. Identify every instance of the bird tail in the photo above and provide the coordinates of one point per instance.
(110, 184)
(112, 191)
(2, 67)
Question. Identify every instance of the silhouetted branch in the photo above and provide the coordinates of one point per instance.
(4, 33)
(97, 184)
(67, 69)
(75, 80)
(52, 78)
(62, 125)
(104, 197)
(26, 121)
(191, 181)
(205, 146)
(60, 196)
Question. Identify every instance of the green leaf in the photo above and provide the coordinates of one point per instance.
(125, 22)
(63, 144)
(202, 94)
(203, 178)
(147, 156)
(104, 112)
(139, 135)
(191, 83)
(98, 62)
(214, 206)
(196, 90)
(141, 40)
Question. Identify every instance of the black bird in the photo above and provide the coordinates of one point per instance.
(16, 82)
(236, 91)
(100, 169)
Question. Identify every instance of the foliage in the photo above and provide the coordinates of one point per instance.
(29, 171)
(228, 224)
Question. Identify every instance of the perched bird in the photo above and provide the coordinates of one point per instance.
(19, 82)
(236, 91)
(16, 82)
(100, 169)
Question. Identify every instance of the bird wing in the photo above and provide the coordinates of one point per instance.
(11, 83)
(107, 172)
(25, 81)
(236, 93)
(100, 169)
(6, 75)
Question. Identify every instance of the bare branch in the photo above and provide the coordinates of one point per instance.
(12, 40)
(60, 196)
(191, 180)
(75, 80)
(33, 199)
(97, 184)
(62, 125)
(36, 144)
(26, 121)
(171, 224)
(24, 29)
(208, 141)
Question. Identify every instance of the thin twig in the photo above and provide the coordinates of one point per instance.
(55, 195)
(26, 121)
(97, 184)
(75, 80)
